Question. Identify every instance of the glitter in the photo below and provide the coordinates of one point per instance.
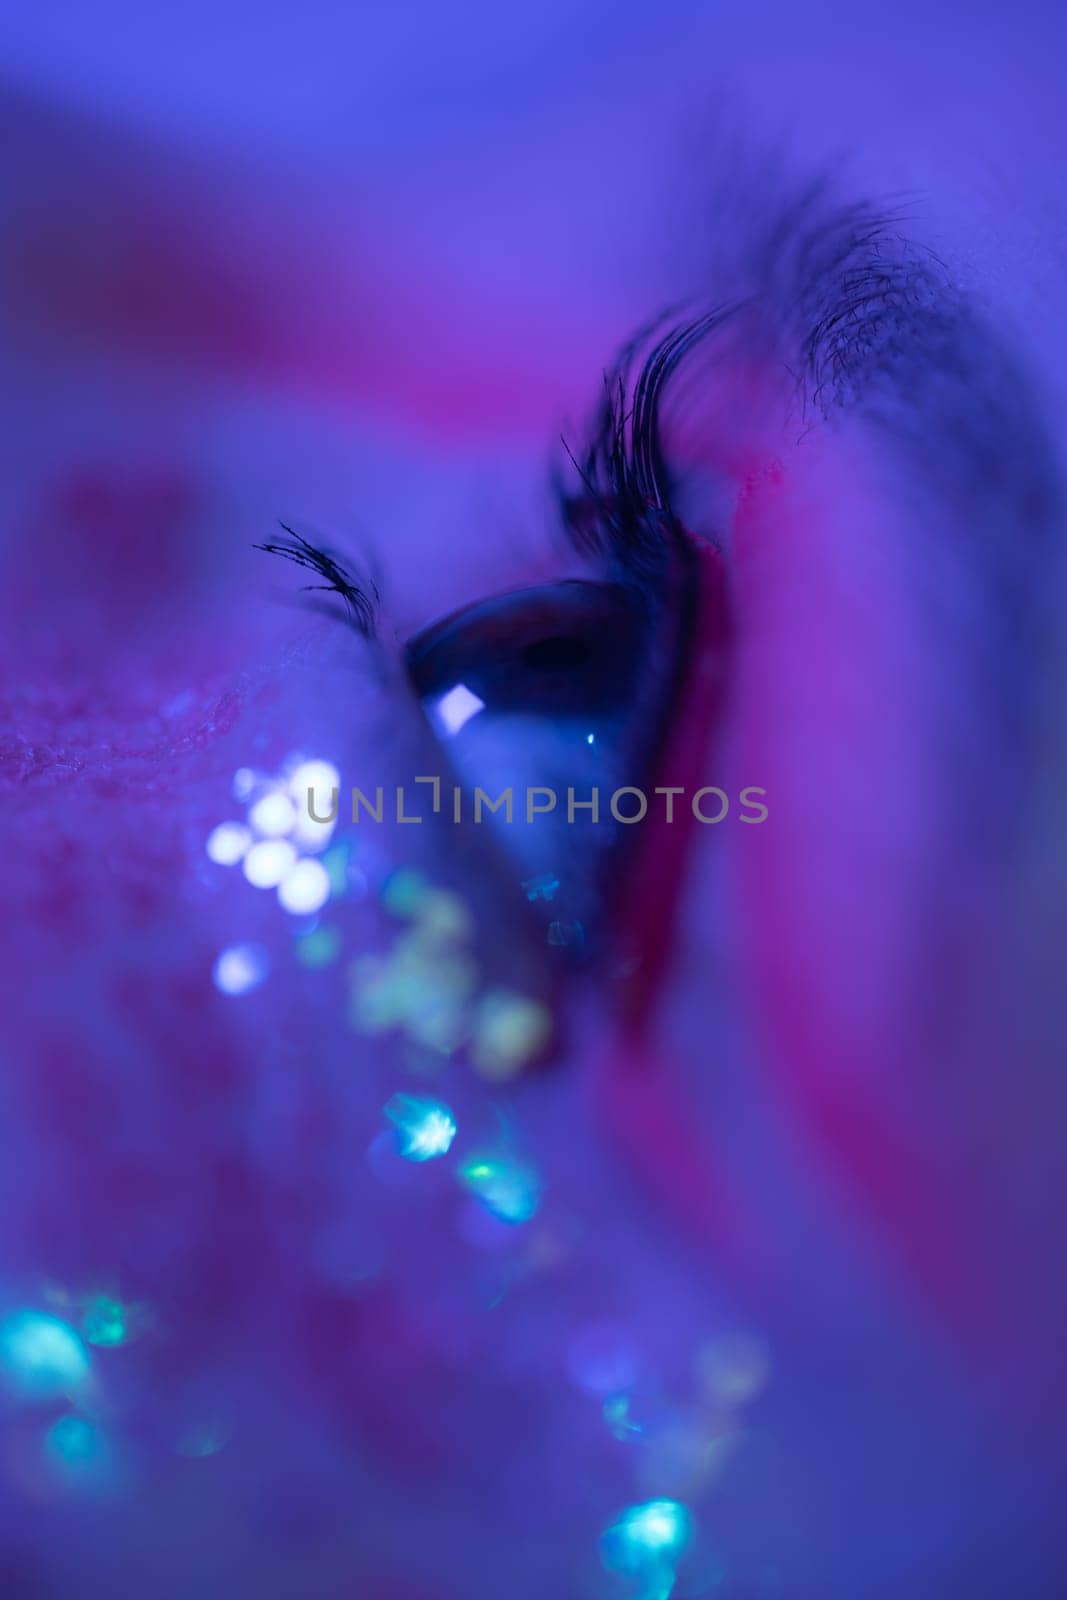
(336, 861)
(455, 709)
(320, 948)
(443, 915)
(640, 1413)
(404, 891)
(72, 1441)
(79, 1453)
(104, 1321)
(41, 1355)
(511, 1190)
(425, 982)
(375, 1004)
(304, 889)
(227, 843)
(240, 968)
(617, 1414)
(267, 863)
(508, 1031)
(545, 886)
(416, 988)
(273, 815)
(646, 1542)
(425, 1128)
(437, 1020)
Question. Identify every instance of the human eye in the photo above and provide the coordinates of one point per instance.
(553, 709)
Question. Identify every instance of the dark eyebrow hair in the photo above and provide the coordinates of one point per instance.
(883, 332)
(876, 324)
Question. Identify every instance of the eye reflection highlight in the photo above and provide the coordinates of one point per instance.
(456, 708)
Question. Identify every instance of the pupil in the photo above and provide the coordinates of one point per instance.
(556, 655)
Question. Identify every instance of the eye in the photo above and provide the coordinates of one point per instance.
(555, 696)
(555, 706)
(572, 650)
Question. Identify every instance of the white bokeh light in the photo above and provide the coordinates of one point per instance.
(321, 782)
(240, 968)
(322, 776)
(227, 843)
(268, 862)
(272, 815)
(312, 836)
(304, 889)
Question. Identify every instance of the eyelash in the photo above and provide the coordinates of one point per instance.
(362, 599)
(620, 514)
(623, 513)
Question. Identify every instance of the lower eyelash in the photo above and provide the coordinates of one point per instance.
(362, 600)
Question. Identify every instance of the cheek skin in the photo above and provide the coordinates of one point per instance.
(633, 1084)
(841, 892)
(653, 875)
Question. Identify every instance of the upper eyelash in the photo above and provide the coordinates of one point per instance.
(623, 510)
(362, 600)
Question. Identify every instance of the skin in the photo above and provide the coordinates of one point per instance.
(238, 290)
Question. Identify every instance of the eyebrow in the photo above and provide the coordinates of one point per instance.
(879, 325)
(881, 331)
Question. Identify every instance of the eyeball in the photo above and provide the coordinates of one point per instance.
(547, 702)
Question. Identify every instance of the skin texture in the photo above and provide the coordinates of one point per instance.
(360, 273)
